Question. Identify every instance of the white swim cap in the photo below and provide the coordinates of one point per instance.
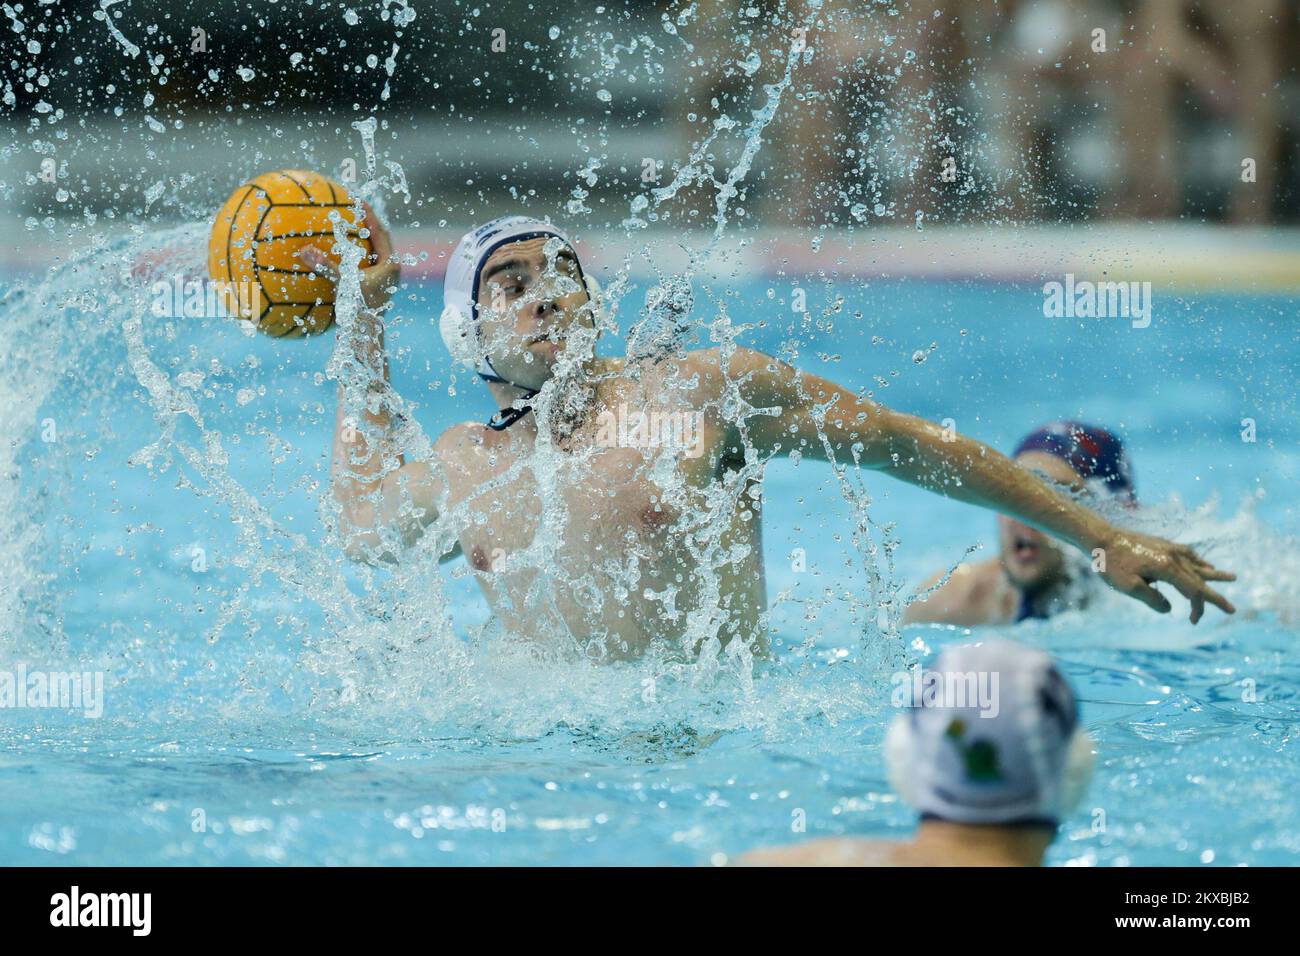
(993, 739)
(459, 321)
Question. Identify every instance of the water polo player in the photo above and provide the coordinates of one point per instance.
(586, 531)
(990, 753)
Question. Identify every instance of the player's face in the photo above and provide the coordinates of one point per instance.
(530, 298)
(1032, 559)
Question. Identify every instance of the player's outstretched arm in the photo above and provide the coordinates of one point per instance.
(385, 501)
(792, 410)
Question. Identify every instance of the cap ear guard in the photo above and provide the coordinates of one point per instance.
(460, 337)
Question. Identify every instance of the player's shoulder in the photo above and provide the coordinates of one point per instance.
(966, 597)
(718, 363)
(981, 579)
(986, 593)
(716, 355)
(457, 440)
(462, 432)
(832, 851)
(967, 580)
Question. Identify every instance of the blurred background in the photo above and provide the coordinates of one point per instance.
(898, 113)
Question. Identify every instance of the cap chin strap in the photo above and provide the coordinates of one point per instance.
(506, 417)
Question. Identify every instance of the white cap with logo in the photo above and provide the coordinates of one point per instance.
(1020, 758)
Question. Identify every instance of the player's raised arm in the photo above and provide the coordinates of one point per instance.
(793, 410)
(385, 501)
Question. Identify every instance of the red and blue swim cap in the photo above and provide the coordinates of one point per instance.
(1096, 454)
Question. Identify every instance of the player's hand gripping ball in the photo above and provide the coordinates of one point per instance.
(255, 244)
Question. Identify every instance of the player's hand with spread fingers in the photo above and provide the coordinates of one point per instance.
(1134, 562)
(380, 271)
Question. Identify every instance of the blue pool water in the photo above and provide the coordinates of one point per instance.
(267, 703)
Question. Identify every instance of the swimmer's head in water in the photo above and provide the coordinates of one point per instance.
(513, 292)
(1082, 459)
(992, 736)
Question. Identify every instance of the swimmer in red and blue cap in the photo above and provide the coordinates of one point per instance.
(1032, 577)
